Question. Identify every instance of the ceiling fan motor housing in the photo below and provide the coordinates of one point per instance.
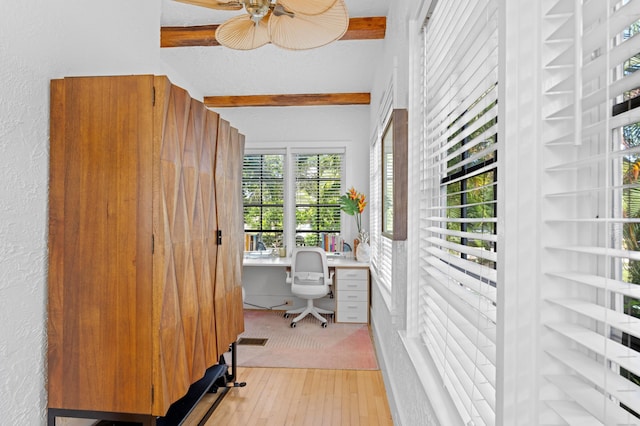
(258, 9)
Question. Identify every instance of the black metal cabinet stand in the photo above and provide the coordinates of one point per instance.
(216, 378)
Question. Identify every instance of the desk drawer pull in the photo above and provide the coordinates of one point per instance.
(352, 285)
(358, 296)
(353, 317)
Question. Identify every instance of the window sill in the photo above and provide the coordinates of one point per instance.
(443, 407)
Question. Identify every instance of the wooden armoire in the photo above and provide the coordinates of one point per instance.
(145, 243)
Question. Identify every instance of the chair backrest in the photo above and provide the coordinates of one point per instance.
(309, 266)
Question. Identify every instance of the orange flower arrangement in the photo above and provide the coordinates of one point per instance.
(353, 203)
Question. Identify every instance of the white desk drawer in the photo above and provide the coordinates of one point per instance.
(352, 285)
(352, 296)
(352, 312)
(352, 273)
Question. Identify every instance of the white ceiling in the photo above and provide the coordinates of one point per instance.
(342, 66)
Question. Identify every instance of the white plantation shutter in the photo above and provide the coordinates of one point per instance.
(457, 290)
(591, 214)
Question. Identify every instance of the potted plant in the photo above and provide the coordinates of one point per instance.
(353, 204)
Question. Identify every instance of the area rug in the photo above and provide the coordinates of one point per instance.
(340, 346)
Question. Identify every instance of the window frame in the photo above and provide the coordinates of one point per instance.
(318, 206)
(249, 245)
(394, 145)
(289, 151)
(455, 314)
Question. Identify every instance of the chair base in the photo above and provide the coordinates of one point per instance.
(309, 309)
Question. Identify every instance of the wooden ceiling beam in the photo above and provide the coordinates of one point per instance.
(288, 100)
(367, 28)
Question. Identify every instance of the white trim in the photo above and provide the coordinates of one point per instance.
(265, 151)
(301, 145)
(312, 151)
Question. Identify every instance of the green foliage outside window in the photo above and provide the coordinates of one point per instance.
(263, 193)
(318, 189)
(631, 231)
(471, 183)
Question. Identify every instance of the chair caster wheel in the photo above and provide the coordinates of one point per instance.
(293, 324)
(324, 325)
(286, 315)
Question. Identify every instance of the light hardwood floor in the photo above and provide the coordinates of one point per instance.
(300, 397)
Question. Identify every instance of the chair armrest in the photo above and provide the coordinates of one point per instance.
(329, 280)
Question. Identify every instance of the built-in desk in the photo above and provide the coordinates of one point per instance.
(351, 286)
(334, 262)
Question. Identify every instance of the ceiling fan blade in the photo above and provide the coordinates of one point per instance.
(307, 7)
(215, 4)
(241, 33)
(309, 31)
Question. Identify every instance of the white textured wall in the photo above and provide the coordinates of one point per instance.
(41, 40)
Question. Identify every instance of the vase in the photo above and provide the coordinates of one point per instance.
(362, 248)
(363, 252)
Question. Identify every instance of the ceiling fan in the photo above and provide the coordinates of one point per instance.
(290, 24)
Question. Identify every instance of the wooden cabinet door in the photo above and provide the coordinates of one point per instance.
(237, 229)
(186, 226)
(228, 290)
(100, 234)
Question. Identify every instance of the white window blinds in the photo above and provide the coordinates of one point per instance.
(375, 205)
(318, 189)
(457, 289)
(263, 195)
(591, 212)
(381, 245)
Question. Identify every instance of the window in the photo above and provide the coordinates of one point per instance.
(381, 254)
(318, 189)
(263, 193)
(457, 304)
(381, 174)
(291, 197)
(387, 180)
(469, 180)
(591, 291)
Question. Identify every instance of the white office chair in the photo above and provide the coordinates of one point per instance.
(310, 279)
